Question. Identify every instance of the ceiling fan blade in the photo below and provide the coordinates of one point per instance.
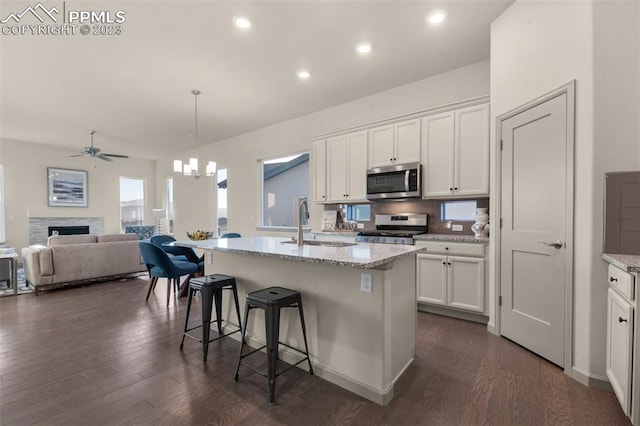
(116, 155)
(77, 155)
(103, 157)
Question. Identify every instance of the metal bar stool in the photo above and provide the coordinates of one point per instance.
(273, 299)
(210, 287)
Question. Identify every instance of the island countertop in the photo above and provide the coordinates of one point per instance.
(360, 255)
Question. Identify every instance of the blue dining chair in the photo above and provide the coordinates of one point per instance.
(160, 265)
(177, 253)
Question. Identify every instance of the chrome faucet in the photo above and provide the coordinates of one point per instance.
(302, 204)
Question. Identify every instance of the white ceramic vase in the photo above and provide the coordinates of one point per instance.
(482, 221)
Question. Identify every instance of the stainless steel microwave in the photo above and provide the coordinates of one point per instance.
(392, 182)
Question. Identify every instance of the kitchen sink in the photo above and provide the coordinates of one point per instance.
(321, 243)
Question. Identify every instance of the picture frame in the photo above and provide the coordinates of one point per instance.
(67, 187)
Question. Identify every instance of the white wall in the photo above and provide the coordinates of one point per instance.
(25, 178)
(241, 154)
(538, 46)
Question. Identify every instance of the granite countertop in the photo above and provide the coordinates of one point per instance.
(455, 238)
(360, 255)
(626, 262)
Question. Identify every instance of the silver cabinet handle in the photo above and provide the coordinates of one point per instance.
(556, 244)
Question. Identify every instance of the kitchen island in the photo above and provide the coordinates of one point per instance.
(358, 340)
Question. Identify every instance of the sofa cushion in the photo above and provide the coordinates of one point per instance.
(109, 238)
(60, 240)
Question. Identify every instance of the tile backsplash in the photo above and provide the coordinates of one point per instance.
(430, 207)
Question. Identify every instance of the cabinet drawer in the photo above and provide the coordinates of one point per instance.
(459, 249)
(622, 281)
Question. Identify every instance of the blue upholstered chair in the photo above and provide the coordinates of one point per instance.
(175, 253)
(144, 232)
(231, 235)
(160, 265)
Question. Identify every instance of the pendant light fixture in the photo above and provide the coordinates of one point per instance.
(191, 168)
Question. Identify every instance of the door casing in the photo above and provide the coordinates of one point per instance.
(569, 90)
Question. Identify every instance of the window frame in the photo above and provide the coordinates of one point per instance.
(443, 205)
(261, 196)
(144, 199)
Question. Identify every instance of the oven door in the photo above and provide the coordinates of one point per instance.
(400, 181)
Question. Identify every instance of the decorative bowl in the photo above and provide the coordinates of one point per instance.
(199, 235)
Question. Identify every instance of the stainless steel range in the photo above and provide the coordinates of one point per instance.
(395, 229)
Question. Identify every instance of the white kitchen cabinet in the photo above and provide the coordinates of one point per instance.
(452, 275)
(396, 143)
(455, 153)
(622, 336)
(620, 347)
(347, 167)
(319, 162)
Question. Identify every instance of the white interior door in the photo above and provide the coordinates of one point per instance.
(536, 223)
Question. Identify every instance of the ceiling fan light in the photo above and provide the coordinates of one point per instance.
(186, 170)
(177, 166)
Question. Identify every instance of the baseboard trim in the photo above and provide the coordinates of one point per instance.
(379, 396)
(591, 380)
(468, 316)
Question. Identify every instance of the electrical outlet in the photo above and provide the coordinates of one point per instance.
(360, 225)
(456, 227)
(209, 256)
(366, 282)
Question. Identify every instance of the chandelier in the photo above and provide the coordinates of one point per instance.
(190, 168)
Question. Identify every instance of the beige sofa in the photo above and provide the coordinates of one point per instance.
(79, 259)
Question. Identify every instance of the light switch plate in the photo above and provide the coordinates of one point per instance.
(456, 227)
(366, 282)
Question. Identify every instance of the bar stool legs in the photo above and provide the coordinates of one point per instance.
(272, 300)
(210, 288)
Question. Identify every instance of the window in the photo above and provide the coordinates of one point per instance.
(131, 201)
(221, 199)
(285, 183)
(170, 205)
(463, 211)
(359, 212)
(2, 236)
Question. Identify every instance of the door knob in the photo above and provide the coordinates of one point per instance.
(620, 319)
(556, 244)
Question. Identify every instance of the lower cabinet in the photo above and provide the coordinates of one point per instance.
(622, 337)
(620, 347)
(452, 280)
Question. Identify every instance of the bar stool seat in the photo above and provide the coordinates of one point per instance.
(210, 287)
(271, 300)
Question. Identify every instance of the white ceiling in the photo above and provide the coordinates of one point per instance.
(134, 89)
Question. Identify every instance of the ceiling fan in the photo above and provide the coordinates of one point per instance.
(95, 152)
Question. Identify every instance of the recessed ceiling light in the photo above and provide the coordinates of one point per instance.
(436, 17)
(242, 22)
(303, 74)
(364, 48)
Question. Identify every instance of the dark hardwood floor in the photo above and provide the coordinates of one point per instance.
(100, 355)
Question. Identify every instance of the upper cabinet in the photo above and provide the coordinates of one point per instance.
(396, 143)
(346, 167)
(319, 164)
(455, 153)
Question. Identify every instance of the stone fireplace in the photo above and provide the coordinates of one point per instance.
(39, 227)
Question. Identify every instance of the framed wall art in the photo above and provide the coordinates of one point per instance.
(67, 188)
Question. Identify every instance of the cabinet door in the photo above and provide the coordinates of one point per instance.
(437, 155)
(357, 166)
(465, 283)
(407, 142)
(432, 279)
(381, 150)
(337, 168)
(471, 175)
(319, 157)
(619, 347)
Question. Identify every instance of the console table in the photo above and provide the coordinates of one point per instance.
(8, 272)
